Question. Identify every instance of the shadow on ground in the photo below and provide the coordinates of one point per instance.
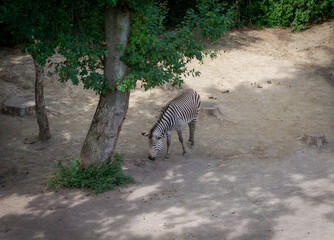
(257, 192)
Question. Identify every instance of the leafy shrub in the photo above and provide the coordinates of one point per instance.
(108, 177)
(176, 14)
(6, 37)
(296, 14)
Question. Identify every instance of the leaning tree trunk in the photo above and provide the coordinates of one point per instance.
(106, 125)
(42, 119)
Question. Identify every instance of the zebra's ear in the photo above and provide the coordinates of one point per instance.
(144, 134)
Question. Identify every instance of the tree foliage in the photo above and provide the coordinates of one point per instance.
(73, 29)
(163, 38)
(34, 25)
(83, 46)
(156, 55)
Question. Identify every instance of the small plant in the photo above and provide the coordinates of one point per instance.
(107, 177)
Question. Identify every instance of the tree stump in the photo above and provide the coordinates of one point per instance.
(318, 139)
(212, 109)
(19, 106)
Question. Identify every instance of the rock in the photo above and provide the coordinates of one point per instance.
(19, 106)
(211, 109)
(30, 140)
(327, 73)
(318, 139)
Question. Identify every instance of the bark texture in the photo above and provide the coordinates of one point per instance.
(103, 134)
(42, 119)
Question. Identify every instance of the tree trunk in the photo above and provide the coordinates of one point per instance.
(42, 119)
(103, 133)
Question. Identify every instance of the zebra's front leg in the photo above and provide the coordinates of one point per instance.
(179, 132)
(168, 144)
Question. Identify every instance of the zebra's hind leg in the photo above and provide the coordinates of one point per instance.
(179, 132)
(192, 125)
(168, 144)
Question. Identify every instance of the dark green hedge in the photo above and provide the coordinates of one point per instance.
(296, 14)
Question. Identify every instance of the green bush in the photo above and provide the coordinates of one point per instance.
(176, 14)
(6, 37)
(108, 177)
(296, 14)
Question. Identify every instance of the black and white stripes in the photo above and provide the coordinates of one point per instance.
(181, 110)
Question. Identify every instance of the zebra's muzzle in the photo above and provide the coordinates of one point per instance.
(151, 158)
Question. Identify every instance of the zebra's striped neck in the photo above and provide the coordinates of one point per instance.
(158, 129)
(160, 126)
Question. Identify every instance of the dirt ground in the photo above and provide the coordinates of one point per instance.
(249, 177)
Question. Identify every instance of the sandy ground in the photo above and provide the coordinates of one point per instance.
(247, 178)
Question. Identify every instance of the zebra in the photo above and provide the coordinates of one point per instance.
(181, 110)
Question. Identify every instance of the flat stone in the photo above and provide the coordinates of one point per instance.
(212, 109)
(19, 106)
(318, 139)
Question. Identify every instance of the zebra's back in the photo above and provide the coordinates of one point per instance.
(185, 107)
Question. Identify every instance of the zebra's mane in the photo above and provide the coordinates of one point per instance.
(163, 111)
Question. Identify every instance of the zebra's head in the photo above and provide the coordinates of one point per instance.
(155, 144)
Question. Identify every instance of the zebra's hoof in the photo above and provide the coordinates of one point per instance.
(191, 144)
(184, 154)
